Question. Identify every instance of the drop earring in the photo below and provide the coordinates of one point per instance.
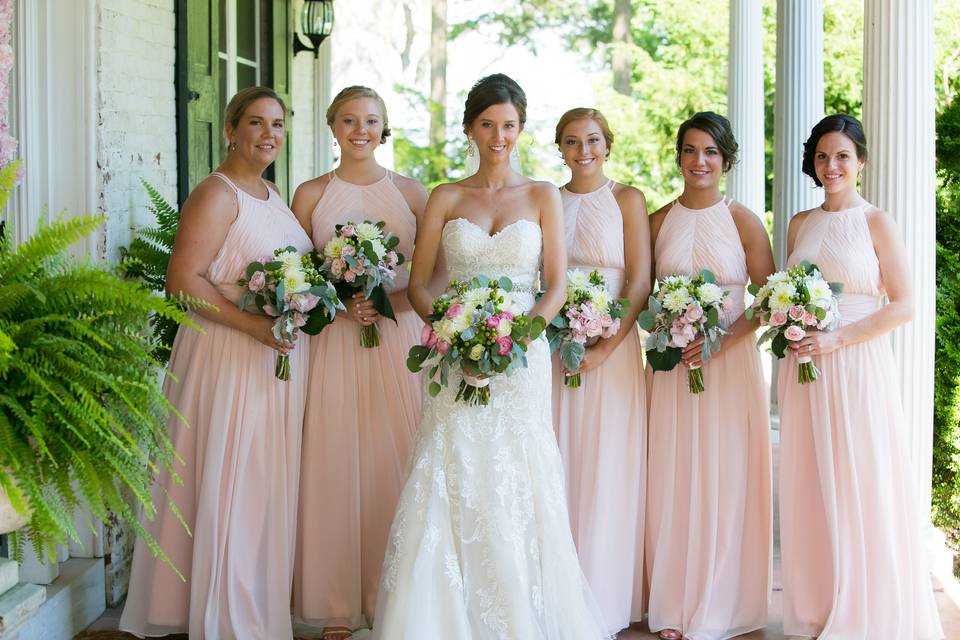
(471, 148)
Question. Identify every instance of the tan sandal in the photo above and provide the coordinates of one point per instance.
(336, 633)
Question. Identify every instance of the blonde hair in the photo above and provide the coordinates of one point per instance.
(241, 101)
(352, 93)
(585, 113)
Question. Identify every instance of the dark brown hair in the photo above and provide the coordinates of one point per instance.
(585, 113)
(492, 90)
(838, 122)
(352, 93)
(716, 126)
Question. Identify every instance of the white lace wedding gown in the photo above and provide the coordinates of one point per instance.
(480, 547)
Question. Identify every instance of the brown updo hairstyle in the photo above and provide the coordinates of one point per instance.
(716, 126)
(241, 101)
(585, 113)
(492, 90)
(352, 93)
(837, 122)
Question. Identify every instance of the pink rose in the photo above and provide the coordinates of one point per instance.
(270, 310)
(299, 319)
(304, 302)
(809, 319)
(778, 318)
(796, 312)
(612, 329)
(493, 321)
(346, 230)
(350, 276)
(425, 334)
(443, 347)
(694, 312)
(794, 333)
(506, 315)
(454, 310)
(348, 250)
(506, 344)
(594, 327)
(337, 267)
(257, 280)
(679, 339)
(392, 259)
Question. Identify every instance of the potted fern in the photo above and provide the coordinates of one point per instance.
(82, 418)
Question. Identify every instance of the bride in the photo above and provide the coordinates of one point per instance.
(480, 547)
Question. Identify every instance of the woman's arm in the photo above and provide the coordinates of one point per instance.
(554, 272)
(204, 222)
(895, 275)
(424, 261)
(415, 196)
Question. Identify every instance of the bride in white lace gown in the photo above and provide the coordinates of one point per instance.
(480, 547)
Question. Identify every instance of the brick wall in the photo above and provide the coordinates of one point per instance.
(136, 119)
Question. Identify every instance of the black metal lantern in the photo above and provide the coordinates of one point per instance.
(316, 22)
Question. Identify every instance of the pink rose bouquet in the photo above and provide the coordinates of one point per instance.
(792, 303)
(682, 309)
(363, 257)
(478, 330)
(589, 314)
(287, 286)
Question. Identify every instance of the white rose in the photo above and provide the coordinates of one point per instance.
(444, 329)
(710, 294)
(367, 231)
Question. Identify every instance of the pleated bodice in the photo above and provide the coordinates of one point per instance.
(691, 240)
(594, 233)
(839, 243)
(344, 201)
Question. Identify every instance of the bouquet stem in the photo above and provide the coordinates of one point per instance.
(807, 372)
(369, 336)
(474, 391)
(282, 367)
(573, 381)
(695, 380)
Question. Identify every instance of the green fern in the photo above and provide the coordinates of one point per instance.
(82, 418)
(146, 260)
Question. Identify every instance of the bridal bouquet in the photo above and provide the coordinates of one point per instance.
(791, 303)
(683, 308)
(590, 313)
(288, 287)
(363, 257)
(475, 328)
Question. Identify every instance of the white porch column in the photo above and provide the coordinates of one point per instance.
(898, 117)
(745, 183)
(799, 106)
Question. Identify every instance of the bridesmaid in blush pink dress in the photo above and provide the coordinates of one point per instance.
(363, 404)
(601, 426)
(708, 525)
(854, 567)
(241, 452)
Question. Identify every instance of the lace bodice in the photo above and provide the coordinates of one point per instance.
(514, 252)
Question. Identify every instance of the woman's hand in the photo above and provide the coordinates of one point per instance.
(262, 331)
(361, 310)
(816, 343)
(593, 357)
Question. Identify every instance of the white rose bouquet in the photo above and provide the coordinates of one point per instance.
(682, 309)
(790, 304)
(363, 257)
(287, 286)
(477, 329)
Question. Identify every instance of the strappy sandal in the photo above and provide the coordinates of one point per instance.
(336, 633)
(670, 634)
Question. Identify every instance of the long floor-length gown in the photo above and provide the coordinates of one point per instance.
(854, 566)
(363, 406)
(241, 456)
(709, 507)
(480, 547)
(602, 428)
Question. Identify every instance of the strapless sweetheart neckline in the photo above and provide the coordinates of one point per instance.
(474, 225)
